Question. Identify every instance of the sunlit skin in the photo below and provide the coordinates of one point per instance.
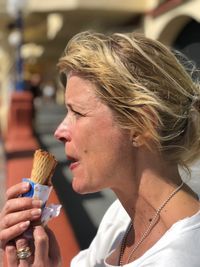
(131, 146)
(103, 156)
(91, 136)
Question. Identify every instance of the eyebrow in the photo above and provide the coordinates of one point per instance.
(73, 106)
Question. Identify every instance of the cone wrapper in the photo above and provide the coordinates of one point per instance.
(42, 192)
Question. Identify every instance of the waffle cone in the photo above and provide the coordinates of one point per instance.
(44, 165)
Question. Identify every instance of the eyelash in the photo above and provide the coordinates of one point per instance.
(78, 114)
(74, 112)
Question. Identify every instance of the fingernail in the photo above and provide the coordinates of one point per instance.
(36, 212)
(26, 185)
(24, 225)
(37, 203)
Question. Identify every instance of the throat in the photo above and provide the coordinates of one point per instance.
(147, 236)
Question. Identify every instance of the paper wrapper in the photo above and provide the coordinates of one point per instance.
(42, 192)
(44, 164)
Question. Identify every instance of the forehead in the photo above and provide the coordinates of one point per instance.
(80, 89)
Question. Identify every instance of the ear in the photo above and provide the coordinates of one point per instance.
(140, 139)
(145, 136)
(136, 139)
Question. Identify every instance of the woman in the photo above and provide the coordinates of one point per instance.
(132, 119)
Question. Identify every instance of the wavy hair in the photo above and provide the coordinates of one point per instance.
(145, 85)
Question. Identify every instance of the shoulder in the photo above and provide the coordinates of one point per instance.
(115, 215)
(115, 209)
(109, 232)
(178, 247)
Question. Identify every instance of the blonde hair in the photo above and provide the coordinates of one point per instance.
(145, 86)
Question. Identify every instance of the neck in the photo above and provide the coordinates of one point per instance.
(144, 194)
(149, 229)
(145, 189)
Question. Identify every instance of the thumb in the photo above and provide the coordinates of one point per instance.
(54, 250)
(41, 242)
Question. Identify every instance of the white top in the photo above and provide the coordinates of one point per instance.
(178, 247)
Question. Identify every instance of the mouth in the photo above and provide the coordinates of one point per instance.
(72, 162)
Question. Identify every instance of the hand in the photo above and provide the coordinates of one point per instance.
(17, 213)
(46, 254)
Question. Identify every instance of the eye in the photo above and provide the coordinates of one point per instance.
(77, 114)
(74, 112)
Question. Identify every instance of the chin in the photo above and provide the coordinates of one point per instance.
(82, 188)
(78, 186)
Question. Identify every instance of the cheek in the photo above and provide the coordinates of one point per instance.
(83, 140)
(105, 150)
(99, 140)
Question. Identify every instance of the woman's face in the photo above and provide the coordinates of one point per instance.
(99, 151)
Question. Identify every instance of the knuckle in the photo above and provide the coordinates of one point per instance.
(25, 202)
(5, 222)
(7, 206)
(25, 215)
(43, 238)
(19, 202)
(7, 193)
(22, 242)
(29, 201)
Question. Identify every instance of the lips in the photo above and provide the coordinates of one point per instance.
(72, 162)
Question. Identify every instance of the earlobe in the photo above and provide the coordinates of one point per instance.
(135, 144)
(139, 139)
(136, 141)
(144, 139)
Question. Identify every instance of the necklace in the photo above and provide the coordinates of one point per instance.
(147, 232)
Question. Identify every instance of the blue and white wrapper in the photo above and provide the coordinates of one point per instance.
(42, 192)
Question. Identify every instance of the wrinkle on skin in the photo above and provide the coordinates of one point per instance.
(94, 138)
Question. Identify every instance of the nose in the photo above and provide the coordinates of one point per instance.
(62, 132)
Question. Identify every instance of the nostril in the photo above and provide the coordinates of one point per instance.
(62, 134)
(62, 139)
(56, 134)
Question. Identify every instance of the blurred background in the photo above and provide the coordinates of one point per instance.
(33, 35)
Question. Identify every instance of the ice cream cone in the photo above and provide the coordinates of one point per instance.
(44, 165)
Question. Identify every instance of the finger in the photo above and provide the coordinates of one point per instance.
(10, 233)
(41, 244)
(21, 216)
(23, 243)
(54, 250)
(22, 203)
(11, 255)
(18, 189)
